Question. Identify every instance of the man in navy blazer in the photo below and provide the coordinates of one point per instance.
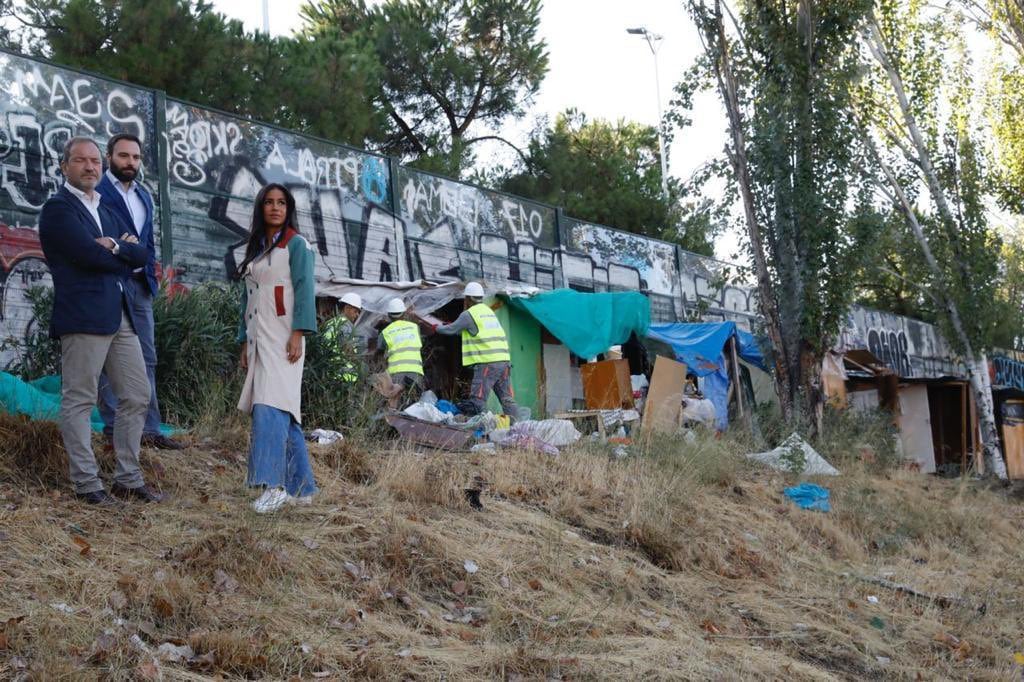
(90, 252)
(122, 193)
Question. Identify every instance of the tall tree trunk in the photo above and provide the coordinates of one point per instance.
(717, 47)
(977, 365)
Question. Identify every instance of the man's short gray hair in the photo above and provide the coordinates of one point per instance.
(66, 154)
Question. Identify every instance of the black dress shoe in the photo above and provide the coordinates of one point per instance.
(143, 492)
(98, 497)
(161, 442)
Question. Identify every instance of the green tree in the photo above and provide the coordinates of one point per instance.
(921, 149)
(451, 70)
(786, 79)
(190, 51)
(608, 173)
(1009, 332)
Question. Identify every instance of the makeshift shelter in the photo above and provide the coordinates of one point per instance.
(554, 330)
(713, 352)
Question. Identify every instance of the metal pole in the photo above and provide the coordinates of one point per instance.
(661, 137)
(266, 17)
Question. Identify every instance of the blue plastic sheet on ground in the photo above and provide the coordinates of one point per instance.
(809, 496)
(699, 345)
(40, 399)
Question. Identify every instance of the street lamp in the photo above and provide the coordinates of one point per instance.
(652, 42)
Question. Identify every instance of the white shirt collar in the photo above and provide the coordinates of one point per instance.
(95, 200)
(118, 185)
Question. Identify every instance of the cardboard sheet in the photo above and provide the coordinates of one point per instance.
(606, 385)
(665, 397)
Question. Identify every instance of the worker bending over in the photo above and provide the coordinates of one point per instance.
(485, 348)
(401, 343)
(340, 333)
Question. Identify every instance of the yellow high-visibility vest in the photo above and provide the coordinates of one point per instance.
(331, 332)
(403, 339)
(490, 343)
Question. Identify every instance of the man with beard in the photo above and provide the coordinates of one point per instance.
(122, 193)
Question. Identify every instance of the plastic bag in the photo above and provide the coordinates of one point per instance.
(809, 496)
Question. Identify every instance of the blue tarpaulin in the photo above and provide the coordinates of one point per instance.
(699, 345)
(589, 324)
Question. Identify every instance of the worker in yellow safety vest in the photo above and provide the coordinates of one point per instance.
(341, 335)
(401, 343)
(485, 349)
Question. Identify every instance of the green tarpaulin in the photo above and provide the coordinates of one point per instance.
(589, 324)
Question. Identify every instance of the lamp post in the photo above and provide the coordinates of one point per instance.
(652, 42)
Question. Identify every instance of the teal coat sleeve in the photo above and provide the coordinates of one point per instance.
(300, 262)
(241, 337)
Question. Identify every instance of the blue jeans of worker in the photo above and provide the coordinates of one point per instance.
(141, 314)
(278, 457)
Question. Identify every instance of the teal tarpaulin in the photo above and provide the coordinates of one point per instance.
(589, 324)
(40, 399)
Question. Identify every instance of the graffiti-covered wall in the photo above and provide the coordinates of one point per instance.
(216, 165)
(1007, 372)
(41, 107)
(367, 217)
(909, 347)
(459, 231)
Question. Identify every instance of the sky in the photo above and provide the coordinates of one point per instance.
(594, 66)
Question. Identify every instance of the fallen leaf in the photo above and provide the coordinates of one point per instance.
(468, 636)
(947, 639)
(62, 607)
(534, 584)
(505, 582)
(81, 542)
(664, 623)
(1018, 658)
(148, 670)
(102, 647)
(163, 607)
(127, 582)
(204, 498)
(709, 626)
(470, 566)
(353, 570)
(3, 641)
(646, 613)
(459, 587)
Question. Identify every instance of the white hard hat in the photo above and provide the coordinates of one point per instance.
(352, 299)
(474, 290)
(396, 306)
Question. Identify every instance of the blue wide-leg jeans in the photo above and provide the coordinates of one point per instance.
(278, 457)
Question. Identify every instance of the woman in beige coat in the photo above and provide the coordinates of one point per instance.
(278, 308)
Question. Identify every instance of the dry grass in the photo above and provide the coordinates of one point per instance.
(680, 563)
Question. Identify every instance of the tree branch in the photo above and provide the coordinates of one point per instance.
(520, 152)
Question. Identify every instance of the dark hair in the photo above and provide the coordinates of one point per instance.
(112, 142)
(254, 247)
(78, 139)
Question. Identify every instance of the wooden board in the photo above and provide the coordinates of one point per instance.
(665, 397)
(606, 385)
(916, 427)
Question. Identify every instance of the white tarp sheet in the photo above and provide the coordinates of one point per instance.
(781, 457)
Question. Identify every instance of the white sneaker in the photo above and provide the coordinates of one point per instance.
(270, 501)
(303, 501)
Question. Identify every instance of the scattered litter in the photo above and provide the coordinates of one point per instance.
(620, 452)
(877, 623)
(447, 407)
(473, 497)
(809, 496)
(325, 436)
(872, 599)
(305, 648)
(404, 653)
(572, 534)
(664, 624)
(356, 572)
(553, 619)
(504, 582)
(699, 410)
(137, 642)
(62, 607)
(1018, 658)
(795, 455)
(170, 653)
(429, 397)
(489, 448)
(310, 543)
(884, 660)
(428, 412)
(470, 566)
(555, 432)
(646, 613)
(801, 626)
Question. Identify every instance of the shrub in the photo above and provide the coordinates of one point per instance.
(36, 355)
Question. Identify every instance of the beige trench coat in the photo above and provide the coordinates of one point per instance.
(270, 378)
